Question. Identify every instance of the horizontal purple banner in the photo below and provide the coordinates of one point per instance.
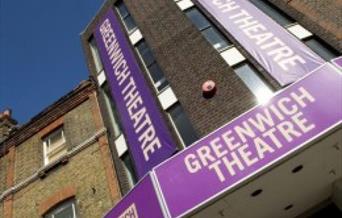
(337, 62)
(141, 201)
(252, 141)
(281, 54)
(148, 137)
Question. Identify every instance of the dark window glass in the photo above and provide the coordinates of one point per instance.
(63, 210)
(126, 16)
(321, 48)
(197, 19)
(277, 15)
(122, 9)
(183, 124)
(113, 117)
(126, 158)
(162, 83)
(252, 80)
(156, 72)
(130, 23)
(152, 66)
(215, 38)
(145, 53)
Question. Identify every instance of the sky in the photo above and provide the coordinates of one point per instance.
(41, 57)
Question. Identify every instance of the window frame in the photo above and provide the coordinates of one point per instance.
(124, 18)
(95, 55)
(175, 127)
(58, 151)
(212, 26)
(261, 79)
(147, 68)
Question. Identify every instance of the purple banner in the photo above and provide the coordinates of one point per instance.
(140, 202)
(148, 137)
(253, 141)
(337, 62)
(279, 52)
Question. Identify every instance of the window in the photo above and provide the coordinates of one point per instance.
(213, 36)
(321, 48)
(114, 120)
(251, 79)
(182, 124)
(126, 16)
(96, 55)
(66, 209)
(151, 65)
(54, 145)
(129, 169)
(318, 46)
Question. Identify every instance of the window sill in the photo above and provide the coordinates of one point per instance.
(53, 165)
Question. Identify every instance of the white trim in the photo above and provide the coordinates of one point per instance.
(167, 98)
(135, 36)
(101, 78)
(232, 56)
(299, 31)
(185, 4)
(121, 145)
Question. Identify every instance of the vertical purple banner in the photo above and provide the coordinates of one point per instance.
(148, 137)
(281, 54)
(140, 202)
(253, 141)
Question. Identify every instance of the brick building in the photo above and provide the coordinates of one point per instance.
(59, 163)
(197, 62)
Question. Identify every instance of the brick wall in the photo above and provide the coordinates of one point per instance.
(85, 172)
(322, 17)
(3, 173)
(90, 172)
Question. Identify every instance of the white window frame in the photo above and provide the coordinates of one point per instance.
(57, 150)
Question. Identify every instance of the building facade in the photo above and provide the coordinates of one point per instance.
(59, 163)
(174, 75)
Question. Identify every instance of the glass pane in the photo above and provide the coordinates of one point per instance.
(96, 55)
(183, 124)
(129, 22)
(258, 87)
(198, 19)
(112, 112)
(157, 76)
(161, 84)
(322, 49)
(155, 72)
(129, 169)
(67, 212)
(145, 53)
(273, 12)
(215, 38)
(122, 9)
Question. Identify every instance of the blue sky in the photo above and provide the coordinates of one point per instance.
(41, 57)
